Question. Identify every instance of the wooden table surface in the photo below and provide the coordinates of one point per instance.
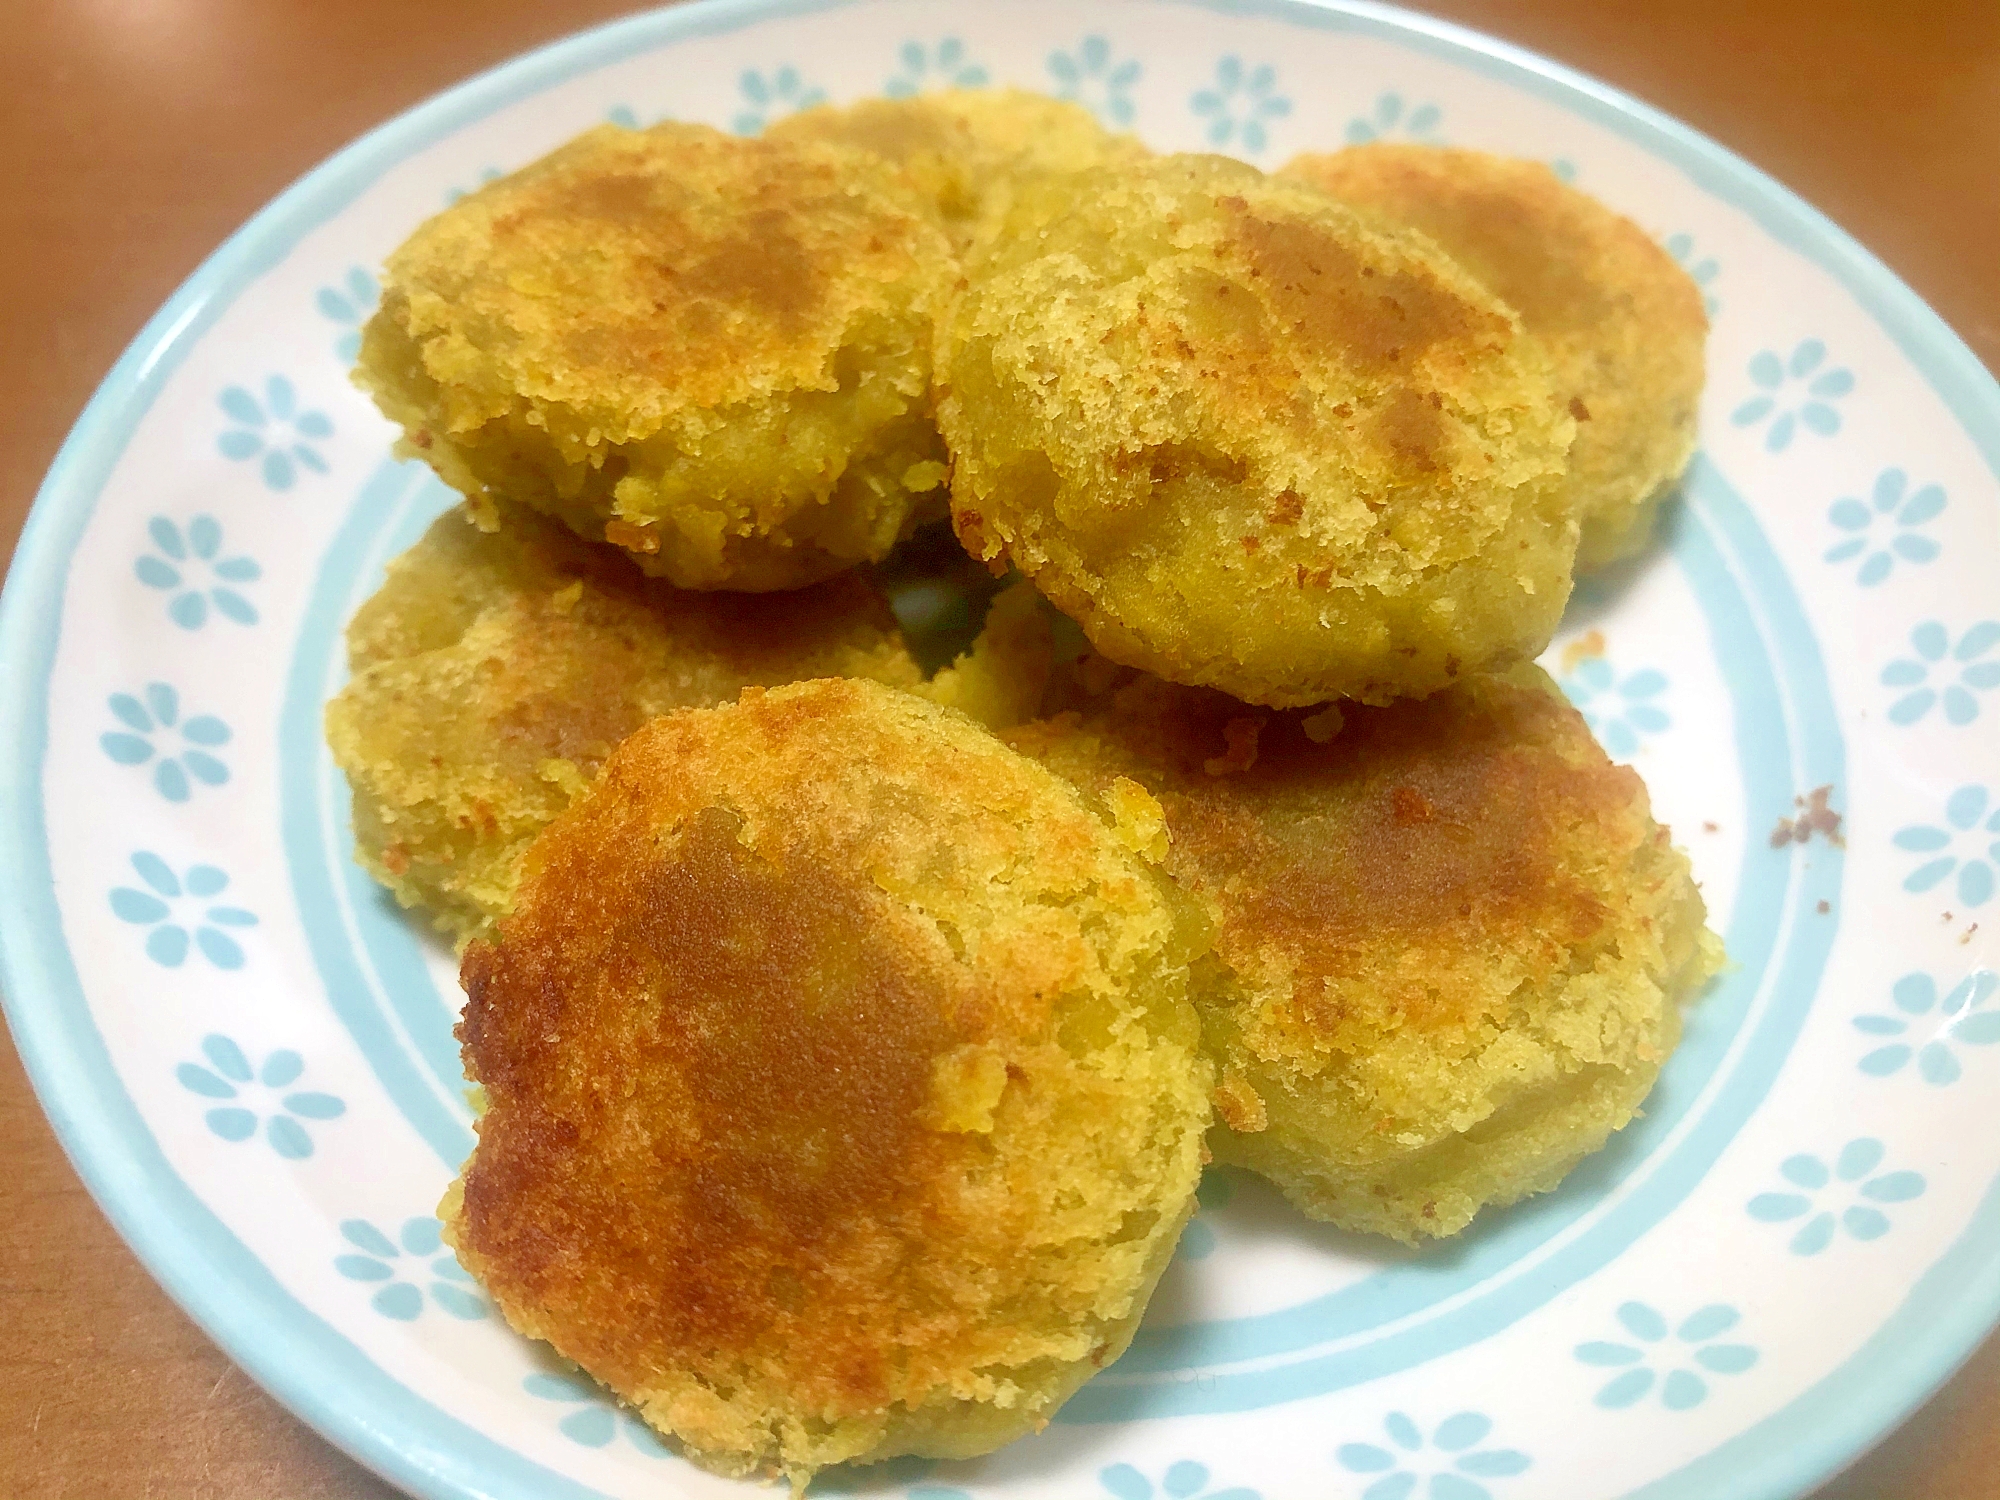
(136, 134)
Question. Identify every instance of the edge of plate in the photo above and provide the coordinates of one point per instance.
(396, 1432)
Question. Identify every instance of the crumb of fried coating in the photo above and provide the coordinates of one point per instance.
(844, 1097)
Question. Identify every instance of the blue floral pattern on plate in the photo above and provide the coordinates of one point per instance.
(349, 305)
(626, 116)
(274, 431)
(1967, 675)
(1186, 1480)
(1843, 1198)
(383, 1259)
(189, 568)
(155, 714)
(160, 907)
(1968, 842)
(769, 96)
(229, 1076)
(597, 1419)
(1889, 502)
(1662, 1356)
(486, 175)
(1966, 1023)
(1388, 117)
(1452, 1460)
(944, 66)
(1241, 104)
(1089, 76)
(1618, 710)
(1793, 393)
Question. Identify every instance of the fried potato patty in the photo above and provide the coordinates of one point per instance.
(844, 1097)
(966, 148)
(1623, 324)
(494, 672)
(1250, 442)
(711, 352)
(1450, 941)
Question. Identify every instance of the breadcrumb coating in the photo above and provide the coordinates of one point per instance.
(493, 672)
(964, 150)
(714, 353)
(1623, 324)
(1250, 441)
(1451, 943)
(844, 1097)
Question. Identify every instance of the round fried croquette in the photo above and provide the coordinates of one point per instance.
(1250, 442)
(964, 148)
(1450, 942)
(843, 1095)
(713, 353)
(493, 672)
(1622, 323)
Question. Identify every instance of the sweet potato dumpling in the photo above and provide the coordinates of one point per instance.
(843, 1093)
(1251, 442)
(1451, 943)
(713, 353)
(495, 671)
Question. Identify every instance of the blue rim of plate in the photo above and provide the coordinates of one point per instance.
(309, 1365)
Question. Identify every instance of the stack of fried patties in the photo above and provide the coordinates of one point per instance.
(849, 1036)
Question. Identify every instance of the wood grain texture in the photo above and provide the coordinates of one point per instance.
(136, 134)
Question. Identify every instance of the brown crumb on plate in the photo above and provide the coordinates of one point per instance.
(1814, 817)
(1585, 646)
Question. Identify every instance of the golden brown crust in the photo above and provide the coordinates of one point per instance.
(726, 1194)
(1250, 442)
(622, 333)
(495, 671)
(1623, 324)
(965, 150)
(843, 1097)
(1450, 909)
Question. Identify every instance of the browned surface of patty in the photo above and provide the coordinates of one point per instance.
(790, 1131)
(1452, 939)
(843, 1093)
(1623, 324)
(709, 351)
(1252, 441)
(1425, 827)
(962, 149)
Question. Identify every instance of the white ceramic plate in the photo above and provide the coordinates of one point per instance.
(247, 1049)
